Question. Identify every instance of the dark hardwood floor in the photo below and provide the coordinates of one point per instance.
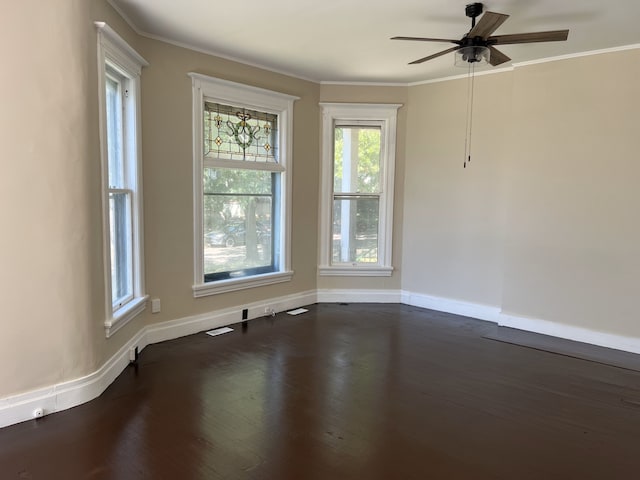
(344, 392)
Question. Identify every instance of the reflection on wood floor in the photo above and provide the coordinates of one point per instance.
(355, 391)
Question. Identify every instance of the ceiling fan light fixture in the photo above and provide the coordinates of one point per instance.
(476, 55)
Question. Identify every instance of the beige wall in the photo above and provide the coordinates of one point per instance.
(573, 240)
(50, 247)
(543, 223)
(454, 216)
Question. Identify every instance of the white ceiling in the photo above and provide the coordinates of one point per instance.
(348, 40)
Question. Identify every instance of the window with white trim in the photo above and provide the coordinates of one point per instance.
(119, 78)
(242, 185)
(356, 212)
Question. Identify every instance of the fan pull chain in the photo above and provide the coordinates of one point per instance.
(469, 125)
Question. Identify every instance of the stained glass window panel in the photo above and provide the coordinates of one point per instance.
(233, 133)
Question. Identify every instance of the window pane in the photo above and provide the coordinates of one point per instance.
(355, 230)
(114, 134)
(239, 222)
(234, 133)
(121, 247)
(356, 160)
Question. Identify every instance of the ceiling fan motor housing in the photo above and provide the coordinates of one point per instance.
(473, 10)
(473, 49)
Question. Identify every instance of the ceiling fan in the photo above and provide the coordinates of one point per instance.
(478, 44)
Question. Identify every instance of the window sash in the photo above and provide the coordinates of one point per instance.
(120, 218)
(355, 230)
(242, 161)
(121, 247)
(239, 134)
(115, 130)
(356, 189)
(261, 253)
(357, 158)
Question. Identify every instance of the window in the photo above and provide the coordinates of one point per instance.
(242, 145)
(358, 156)
(119, 76)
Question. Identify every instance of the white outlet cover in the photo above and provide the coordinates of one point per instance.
(155, 305)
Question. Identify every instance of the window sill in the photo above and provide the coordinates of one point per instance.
(124, 315)
(354, 271)
(231, 285)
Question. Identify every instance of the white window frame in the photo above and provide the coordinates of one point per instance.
(379, 115)
(238, 95)
(115, 54)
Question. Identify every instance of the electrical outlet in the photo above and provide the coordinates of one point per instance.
(155, 305)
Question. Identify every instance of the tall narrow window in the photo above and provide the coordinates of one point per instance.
(120, 67)
(356, 194)
(357, 189)
(242, 145)
(120, 197)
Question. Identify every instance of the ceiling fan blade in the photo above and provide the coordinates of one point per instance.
(423, 39)
(551, 36)
(435, 55)
(497, 57)
(488, 23)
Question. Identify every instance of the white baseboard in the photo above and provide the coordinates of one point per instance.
(359, 296)
(448, 305)
(19, 408)
(220, 318)
(75, 392)
(570, 332)
(535, 325)
(68, 394)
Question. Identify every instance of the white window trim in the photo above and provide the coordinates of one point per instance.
(114, 50)
(358, 113)
(239, 95)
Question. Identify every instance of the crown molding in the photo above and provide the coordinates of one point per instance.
(570, 56)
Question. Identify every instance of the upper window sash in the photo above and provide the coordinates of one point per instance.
(240, 134)
(354, 177)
